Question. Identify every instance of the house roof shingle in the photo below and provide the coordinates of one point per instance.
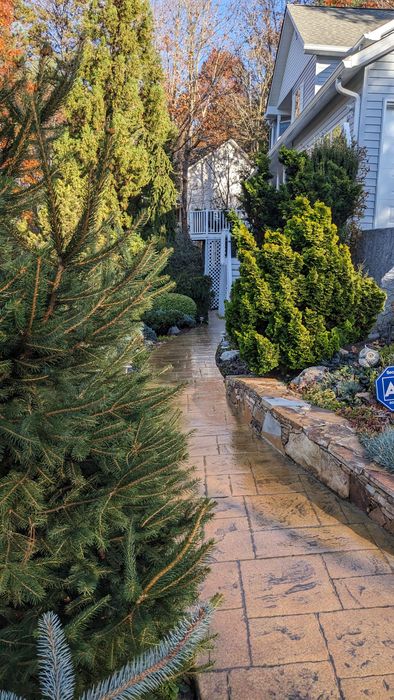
(336, 26)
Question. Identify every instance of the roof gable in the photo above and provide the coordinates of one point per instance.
(339, 27)
(322, 31)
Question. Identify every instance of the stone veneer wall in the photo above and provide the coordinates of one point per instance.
(320, 441)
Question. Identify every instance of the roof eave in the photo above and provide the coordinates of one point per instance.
(347, 69)
(326, 49)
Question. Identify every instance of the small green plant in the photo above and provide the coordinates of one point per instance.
(146, 674)
(322, 397)
(380, 448)
(171, 309)
(299, 297)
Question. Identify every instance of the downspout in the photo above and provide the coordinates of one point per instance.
(357, 101)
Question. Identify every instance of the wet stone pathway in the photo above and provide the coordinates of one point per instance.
(307, 579)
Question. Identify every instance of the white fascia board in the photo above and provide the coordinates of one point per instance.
(371, 53)
(326, 49)
(381, 31)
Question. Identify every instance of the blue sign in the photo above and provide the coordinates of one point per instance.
(385, 388)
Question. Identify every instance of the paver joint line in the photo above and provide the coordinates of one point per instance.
(307, 578)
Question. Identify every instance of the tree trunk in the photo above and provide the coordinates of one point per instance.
(185, 189)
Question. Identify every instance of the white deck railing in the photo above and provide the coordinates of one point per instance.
(209, 221)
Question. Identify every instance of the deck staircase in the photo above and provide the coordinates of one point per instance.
(212, 227)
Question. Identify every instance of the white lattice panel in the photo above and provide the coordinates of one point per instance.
(214, 268)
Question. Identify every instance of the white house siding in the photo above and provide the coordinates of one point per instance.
(215, 180)
(379, 85)
(341, 109)
(295, 64)
(307, 78)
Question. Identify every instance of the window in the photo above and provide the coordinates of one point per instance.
(298, 101)
(283, 125)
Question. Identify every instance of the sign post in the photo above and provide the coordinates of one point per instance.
(385, 388)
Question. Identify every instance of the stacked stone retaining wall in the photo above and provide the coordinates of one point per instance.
(322, 442)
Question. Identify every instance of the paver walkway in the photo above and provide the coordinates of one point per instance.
(307, 579)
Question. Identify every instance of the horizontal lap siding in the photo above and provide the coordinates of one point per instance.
(379, 85)
(307, 77)
(295, 64)
(331, 116)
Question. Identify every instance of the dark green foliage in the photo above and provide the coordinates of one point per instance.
(299, 297)
(171, 310)
(185, 267)
(329, 173)
(380, 448)
(95, 524)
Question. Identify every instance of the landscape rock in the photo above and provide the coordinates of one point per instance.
(368, 357)
(174, 330)
(308, 376)
(365, 396)
(229, 355)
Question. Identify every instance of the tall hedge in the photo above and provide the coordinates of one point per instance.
(299, 297)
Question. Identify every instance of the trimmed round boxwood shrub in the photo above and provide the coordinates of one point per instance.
(171, 309)
(299, 297)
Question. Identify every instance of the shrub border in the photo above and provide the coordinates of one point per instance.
(322, 442)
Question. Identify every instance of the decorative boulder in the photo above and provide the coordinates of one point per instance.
(229, 355)
(174, 330)
(368, 357)
(308, 376)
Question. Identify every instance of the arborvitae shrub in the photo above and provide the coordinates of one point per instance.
(299, 297)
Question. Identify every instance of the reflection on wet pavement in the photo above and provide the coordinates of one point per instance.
(307, 579)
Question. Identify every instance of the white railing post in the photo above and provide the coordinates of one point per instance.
(229, 267)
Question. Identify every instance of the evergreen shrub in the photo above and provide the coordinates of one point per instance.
(185, 267)
(171, 309)
(299, 297)
(331, 173)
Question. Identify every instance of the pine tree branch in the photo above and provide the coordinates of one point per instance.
(177, 559)
(53, 207)
(35, 295)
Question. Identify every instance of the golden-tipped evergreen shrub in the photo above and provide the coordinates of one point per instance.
(299, 296)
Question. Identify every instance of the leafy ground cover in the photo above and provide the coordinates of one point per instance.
(349, 390)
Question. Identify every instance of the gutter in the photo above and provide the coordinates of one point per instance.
(357, 102)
